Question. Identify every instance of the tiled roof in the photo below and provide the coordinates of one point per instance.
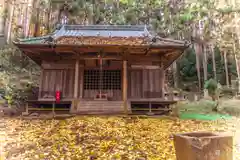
(102, 31)
(92, 31)
(129, 32)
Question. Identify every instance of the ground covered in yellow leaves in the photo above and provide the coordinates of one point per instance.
(104, 138)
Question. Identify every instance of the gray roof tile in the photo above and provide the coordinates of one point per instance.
(105, 31)
(102, 31)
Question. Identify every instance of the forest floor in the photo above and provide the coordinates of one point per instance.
(92, 137)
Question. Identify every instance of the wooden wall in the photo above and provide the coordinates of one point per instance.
(144, 83)
(57, 79)
(57, 76)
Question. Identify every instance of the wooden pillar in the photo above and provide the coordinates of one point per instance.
(125, 87)
(40, 85)
(76, 81)
(162, 79)
(81, 84)
(53, 109)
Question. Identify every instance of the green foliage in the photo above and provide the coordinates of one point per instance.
(9, 99)
(211, 85)
(188, 70)
(228, 92)
(17, 72)
(187, 66)
(201, 107)
(230, 107)
(225, 106)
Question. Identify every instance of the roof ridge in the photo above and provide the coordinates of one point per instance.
(106, 27)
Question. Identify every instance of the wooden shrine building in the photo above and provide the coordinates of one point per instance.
(102, 69)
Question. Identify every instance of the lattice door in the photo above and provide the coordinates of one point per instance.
(104, 81)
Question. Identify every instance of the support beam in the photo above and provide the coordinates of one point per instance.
(125, 85)
(76, 79)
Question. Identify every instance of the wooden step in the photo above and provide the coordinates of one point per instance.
(99, 107)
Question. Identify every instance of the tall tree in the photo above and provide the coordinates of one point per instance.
(35, 17)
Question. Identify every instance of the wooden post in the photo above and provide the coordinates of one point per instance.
(82, 81)
(40, 84)
(150, 107)
(162, 79)
(27, 108)
(125, 87)
(53, 109)
(76, 79)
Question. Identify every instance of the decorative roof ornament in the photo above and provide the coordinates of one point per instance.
(81, 38)
(110, 34)
(58, 26)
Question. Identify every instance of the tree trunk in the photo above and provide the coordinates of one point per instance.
(93, 12)
(235, 54)
(37, 24)
(10, 22)
(25, 21)
(226, 68)
(49, 17)
(214, 62)
(37, 13)
(175, 74)
(205, 72)
(238, 73)
(196, 48)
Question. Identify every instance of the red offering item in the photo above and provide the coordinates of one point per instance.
(58, 96)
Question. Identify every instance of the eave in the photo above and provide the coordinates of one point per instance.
(167, 54)
(116, 42)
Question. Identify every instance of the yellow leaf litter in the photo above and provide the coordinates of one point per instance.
(103, 138)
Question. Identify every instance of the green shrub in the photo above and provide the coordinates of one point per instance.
(212, 86)
(227, 91)
(230, 107)
(202, 106)
(226, 106)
